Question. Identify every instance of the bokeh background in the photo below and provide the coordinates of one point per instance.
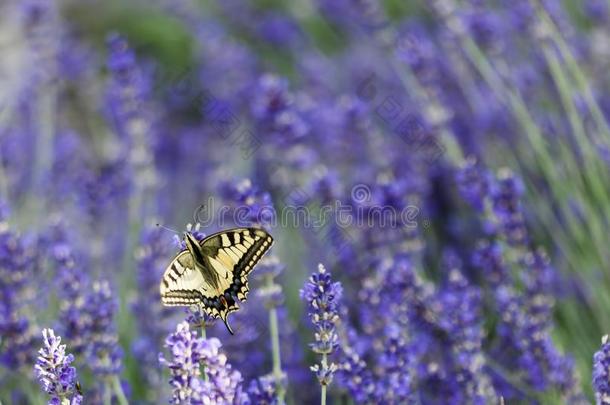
(489, 117)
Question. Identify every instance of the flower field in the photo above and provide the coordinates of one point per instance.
(309, 202)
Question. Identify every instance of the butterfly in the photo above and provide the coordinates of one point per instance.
(214, 272)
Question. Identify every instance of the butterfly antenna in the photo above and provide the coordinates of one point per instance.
(168, 229)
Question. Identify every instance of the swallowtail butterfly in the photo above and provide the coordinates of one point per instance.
(213, 273)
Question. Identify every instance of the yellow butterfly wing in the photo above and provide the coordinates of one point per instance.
(230, 255)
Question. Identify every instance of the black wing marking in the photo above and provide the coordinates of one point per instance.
(233, 255)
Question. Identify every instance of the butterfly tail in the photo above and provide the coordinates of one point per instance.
(226, 321)
(228, 307)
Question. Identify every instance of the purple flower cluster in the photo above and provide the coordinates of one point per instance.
(103, 352)
(263, 391)
(200, 373)
(17, 263)
(151, 260)
(323, 298)
(184, 366)
(506, 197)
(461, 317)
(55, 372)
(73, 284)
(255, 205)
(128, 91)
(601, 373)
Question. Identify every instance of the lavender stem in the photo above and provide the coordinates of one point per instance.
(204, 337)
(275, 350)
(323, 388)
(118, 391)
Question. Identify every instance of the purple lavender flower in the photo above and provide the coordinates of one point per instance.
(278, 115)
(41, 23)
(103, 352)
(186, 350)
(601, 373)
(107, 182)
(54, 371)
(396, 363)
(151, 260)
(72, 283)
(524, 343)
(69, 169)
(546, 364)
(270, 294)
(473, 184)
(484, 26)
(416, 49)
(279, 30)
(524, 340)
(273, 97)
(127, 90)
(16, 267)
(323, 298)
(596, 10)
(224, 384)
(355, 376)
(386, 298)
(229, 68)
(16, 159)
(251, 206)
(506, 196)
(354, 15)
(200, 373)
(488, 257)
(461, 318)
(128, 95)
(198, 318)
(263, 391)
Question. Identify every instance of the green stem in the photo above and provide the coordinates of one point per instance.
(4, 186)
(323, 391)
(107, 394)
(590, 158)
(202, 325)
(118, 391)
(323, 396)
(275, 352)
(516, 103)
(203, 336)
(579, 75)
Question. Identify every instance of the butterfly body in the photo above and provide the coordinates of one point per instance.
(213, 273)
(198, 253)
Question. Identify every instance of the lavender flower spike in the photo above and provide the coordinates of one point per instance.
(55, 373)
(323, 299)
(186, 350)
(601, 373)
(190, 355)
